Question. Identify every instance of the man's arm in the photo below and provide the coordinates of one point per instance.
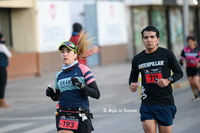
(5, 50)
(133, 77)
(176, 69)
(134, 72)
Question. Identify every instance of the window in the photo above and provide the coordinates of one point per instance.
(5, 26)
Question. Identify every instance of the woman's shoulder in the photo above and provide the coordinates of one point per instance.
(197, 47)
(164, 49)
(84, 68)
(165, 52)
(58, 73)
(186, 48)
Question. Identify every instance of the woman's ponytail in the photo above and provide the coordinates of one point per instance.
(83, 45)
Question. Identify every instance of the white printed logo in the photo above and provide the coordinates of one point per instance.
(143, 94)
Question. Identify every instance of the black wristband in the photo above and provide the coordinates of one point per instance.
(171, 79)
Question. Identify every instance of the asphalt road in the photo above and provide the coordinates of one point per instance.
(117, 110)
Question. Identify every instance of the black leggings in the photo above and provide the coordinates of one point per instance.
(3, 80)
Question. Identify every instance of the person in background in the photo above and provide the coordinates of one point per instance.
(74, 84)
(190, 55)
(4, 55)
(77, 29)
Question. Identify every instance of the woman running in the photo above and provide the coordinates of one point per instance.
(190, 55)
(73, 84)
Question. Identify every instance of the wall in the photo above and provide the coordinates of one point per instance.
(50, 61)
(32, 57)
(17, 3)
(22, 65)
(5, 25)
(25, 61)
(23, 28)
(113, 54)
(112, 31)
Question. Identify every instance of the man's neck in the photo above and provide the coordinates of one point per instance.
(148, 51)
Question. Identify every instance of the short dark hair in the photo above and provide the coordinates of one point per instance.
(150, 28)
(77, 27)
(190, 37)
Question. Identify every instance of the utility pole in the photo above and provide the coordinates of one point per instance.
(185, 21)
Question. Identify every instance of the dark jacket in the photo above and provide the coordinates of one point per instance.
(3, 58)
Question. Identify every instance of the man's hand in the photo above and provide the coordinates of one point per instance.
(162, 82)
(134, 87)
(50, 92)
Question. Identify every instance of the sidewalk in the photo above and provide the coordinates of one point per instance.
(29, 92)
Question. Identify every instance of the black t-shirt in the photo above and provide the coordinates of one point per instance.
(155, 65)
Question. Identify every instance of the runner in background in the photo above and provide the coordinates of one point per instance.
(190, 55)
(77, 29)
(155, 65)
(73, 84)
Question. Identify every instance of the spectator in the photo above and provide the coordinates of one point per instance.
(4, 55)
(77, 29)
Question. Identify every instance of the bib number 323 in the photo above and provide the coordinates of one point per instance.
(152, 74)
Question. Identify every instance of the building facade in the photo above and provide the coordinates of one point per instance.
(33, 29)
(167, 16)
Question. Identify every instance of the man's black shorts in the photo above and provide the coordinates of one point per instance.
(164, 115)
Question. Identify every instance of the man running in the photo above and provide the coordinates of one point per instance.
(155, 65)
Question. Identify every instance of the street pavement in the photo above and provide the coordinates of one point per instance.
(117, 110)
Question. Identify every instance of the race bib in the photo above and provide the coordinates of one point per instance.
(152, 73)
(68, 123)
(191, 63)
